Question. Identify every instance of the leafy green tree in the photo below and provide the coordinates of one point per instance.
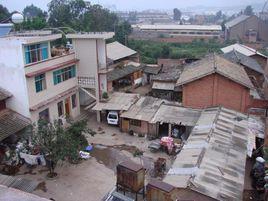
(122, 30)
(32, 11)
(4, 13)
(248, 10)
(219, 15)
(58, 143)
(176, 14)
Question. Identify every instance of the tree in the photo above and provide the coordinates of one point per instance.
(58, 143)
(219, 15)
(32, 11)
(4, 13)
(176, 14)
(248, 10)
(122, 31)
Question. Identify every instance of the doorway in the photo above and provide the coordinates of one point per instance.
(67, 106)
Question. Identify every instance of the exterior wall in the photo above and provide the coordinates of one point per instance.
(51, 89)
(53, 109)
(13, 75)
(216, 90)
(239, 30)
(143, 129)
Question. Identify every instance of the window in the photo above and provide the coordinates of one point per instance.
(74, 101)
(63, 74)
(40, 82)
(44, 115)
(135, 122)
(60, 108)
(37, 52)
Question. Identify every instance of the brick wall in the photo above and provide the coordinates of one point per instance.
(216, 90)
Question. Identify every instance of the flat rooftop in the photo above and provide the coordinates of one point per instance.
(91, 35)
(179, 27)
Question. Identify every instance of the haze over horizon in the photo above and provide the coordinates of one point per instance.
(123, 5)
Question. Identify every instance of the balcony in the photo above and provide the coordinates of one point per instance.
(57, 61)
(87, 82)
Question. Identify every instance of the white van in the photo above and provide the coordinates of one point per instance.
(113, 118)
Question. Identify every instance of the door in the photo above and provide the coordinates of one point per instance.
(67, 106)
(125, 125)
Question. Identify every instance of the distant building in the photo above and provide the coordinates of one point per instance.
(176, 33)
(246, 28)
(215, 81)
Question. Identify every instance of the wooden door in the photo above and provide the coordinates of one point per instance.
(67, 106)
(125, 125)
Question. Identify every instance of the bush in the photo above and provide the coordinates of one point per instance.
(105, 95)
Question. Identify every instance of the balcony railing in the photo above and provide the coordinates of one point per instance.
(87, 82)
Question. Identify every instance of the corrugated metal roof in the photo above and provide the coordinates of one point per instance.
(120, 72)
(144, 109)
(236, 21)
(246, 61)
(152, 69)
(4, 94)
(214, 64)
(116, 51)
(176, 115)
(22, 184)
(164, 85)
(117, 102)
(179, 27)
(11, 123)
(243, 49)
(215, 167)
(12, 194)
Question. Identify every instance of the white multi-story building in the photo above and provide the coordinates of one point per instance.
(42, 79)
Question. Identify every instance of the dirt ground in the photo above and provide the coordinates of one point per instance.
(92, 179)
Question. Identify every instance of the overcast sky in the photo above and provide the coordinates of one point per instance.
(135, 4)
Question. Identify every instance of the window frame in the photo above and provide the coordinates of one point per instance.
(35, 52)
(74, 101)
(64, 74)
(41, 81)
(135, 122)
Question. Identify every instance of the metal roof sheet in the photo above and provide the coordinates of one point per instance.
(164, 85)
(217, 169)
(117, 102)
(243, 49)
(116, 51)
(176, 115)
(144, 109)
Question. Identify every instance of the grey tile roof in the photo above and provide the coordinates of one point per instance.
(4, 94)
(11, 122)
(213, 160)
(120, 72)
(152, 69)
(214, 64)
(236, 21)
(172, 74)
(244, 60)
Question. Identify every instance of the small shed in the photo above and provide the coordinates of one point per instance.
(130, 177)
(158, 190)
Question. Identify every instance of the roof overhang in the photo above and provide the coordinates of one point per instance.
(91, 35)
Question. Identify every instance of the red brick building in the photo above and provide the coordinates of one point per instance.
(215, 81)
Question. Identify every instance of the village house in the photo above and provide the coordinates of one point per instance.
(251, 66)
(250, 52)
(215, 81)
(246, 28)
(42, 78)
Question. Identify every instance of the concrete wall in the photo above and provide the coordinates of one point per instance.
(216, 90)
(53, 109)
(13, 75)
